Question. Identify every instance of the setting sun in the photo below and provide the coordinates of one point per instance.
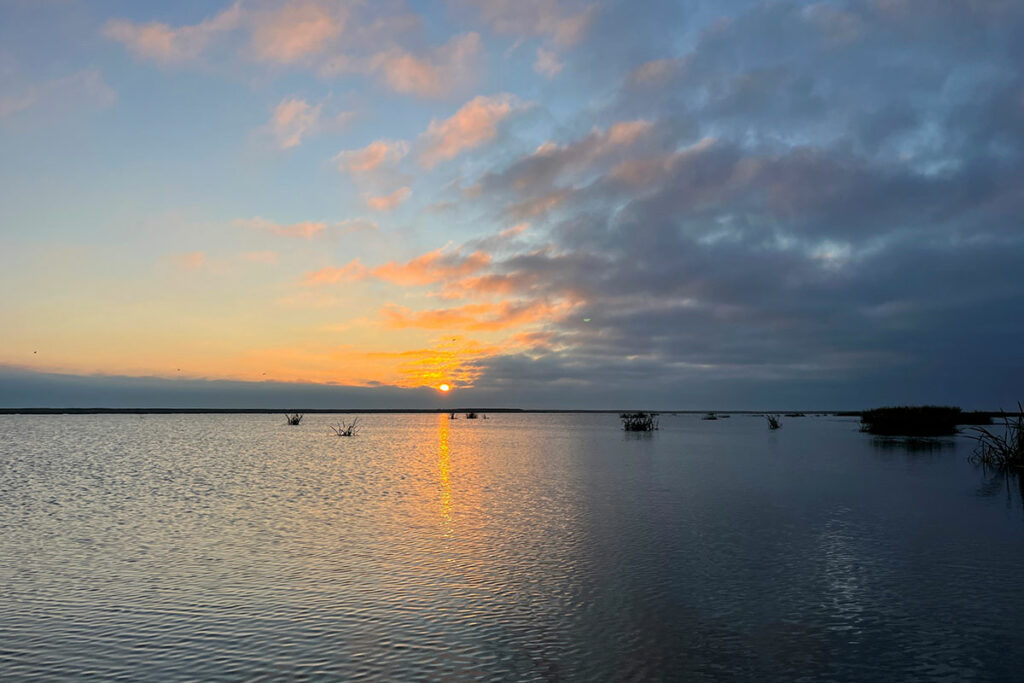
(444, 387)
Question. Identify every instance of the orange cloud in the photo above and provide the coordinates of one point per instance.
(390, 201)
(330, 275)
(292, 120)
(293, 32)
(433, 75)
(474, 124)
(375, 155)
(167, 45)
(454, 360)
(434, 266)
(482, 317)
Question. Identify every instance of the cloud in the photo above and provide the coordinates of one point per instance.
(330, 275)
(547, 63)
(433, 267)
(535, 177)
(481, 317)
(434, 74)
(474, 124)
(293, 32)
(389, 202)
(82, 90)
(564, 22)
(168, 45)
(376, 155)
(654, 72)
(780, 199)
(292, 120)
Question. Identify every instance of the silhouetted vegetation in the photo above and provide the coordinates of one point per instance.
(911, 421)
(639, 421)
(710, 416)
(346, 429)
(1003, 451)
(451, 416)
(773, 421)
(293, 419)
(795, 415)
(471, 416)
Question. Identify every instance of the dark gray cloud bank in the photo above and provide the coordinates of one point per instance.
(826, 210)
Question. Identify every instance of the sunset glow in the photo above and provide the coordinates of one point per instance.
(444, 387)
(392, 196)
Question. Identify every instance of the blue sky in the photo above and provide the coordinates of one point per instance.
(543, 203)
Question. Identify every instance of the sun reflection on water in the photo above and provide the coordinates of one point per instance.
(444, 470)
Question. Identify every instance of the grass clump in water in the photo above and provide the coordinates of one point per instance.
(293, 419)
(774, 422)
(639, 421)
(1003, 451)
(911, 421)
(346, 428)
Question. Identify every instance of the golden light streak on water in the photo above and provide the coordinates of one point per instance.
(444, 470)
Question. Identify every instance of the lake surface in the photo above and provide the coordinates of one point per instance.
(522, 547)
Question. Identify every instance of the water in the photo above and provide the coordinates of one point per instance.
(523, 547)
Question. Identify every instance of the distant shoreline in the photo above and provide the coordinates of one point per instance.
(383, 411)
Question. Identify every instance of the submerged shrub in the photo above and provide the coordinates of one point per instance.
(639, 421)
(345, 429)
(294, 418)
(911, 421)
(773, 421)
(1003, 451)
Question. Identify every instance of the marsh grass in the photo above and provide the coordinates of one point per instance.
(639, 421)
(1002, 451)
(293, 419)
(911, 421)
(346, 429)
(774, 422)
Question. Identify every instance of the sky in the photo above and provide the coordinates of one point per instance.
(542, 203)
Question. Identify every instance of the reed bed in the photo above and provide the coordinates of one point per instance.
(911, 421)
(1003, 451)
(639, 421)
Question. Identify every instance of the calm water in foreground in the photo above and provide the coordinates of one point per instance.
(527, 547)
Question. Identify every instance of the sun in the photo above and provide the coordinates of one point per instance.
(445, 388)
